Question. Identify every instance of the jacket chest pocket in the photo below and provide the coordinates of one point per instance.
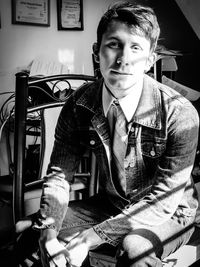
(152, 151)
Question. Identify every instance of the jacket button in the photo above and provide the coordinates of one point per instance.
(134, 191)
(92, 142)
(152, 153)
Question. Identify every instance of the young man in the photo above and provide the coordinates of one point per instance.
(146, 203)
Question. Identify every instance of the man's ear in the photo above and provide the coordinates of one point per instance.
(95, 49)
(150, 62)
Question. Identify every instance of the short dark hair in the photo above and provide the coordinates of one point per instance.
(141, 19)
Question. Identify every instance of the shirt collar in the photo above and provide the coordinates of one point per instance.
(128, 103)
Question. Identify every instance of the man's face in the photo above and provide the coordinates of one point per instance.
(132, 51)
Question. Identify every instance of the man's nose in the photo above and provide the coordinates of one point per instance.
(124, 57)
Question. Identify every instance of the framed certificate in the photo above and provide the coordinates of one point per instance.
(70, 14)
(31, 12)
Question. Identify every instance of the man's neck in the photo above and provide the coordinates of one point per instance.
(120, 93)
(128, 102)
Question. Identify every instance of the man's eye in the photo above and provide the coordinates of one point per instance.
(136, 47)
(113, 45)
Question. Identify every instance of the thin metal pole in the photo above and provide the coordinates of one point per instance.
(21, 94)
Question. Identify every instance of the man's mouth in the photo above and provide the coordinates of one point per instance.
(118, 72)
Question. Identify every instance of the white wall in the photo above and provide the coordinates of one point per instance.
(20, 44)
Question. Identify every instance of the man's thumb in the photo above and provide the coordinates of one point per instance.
(22, 225)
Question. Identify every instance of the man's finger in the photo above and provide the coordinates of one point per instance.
(59, 261)
(23, 225)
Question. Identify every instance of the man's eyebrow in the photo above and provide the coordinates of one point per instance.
(113, 38)
(135, 43)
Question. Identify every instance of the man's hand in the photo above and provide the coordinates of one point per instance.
(53, 253)
(23, 224)
(80, 244)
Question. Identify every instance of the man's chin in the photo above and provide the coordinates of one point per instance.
(121, 85)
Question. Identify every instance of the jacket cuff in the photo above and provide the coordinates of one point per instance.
(41, 223)
(103, 236)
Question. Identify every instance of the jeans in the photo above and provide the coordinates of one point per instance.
(149, 245)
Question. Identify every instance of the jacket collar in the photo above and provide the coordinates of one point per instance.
(148, 112)
(92, 97)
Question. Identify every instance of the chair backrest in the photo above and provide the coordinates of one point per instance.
(27, 89)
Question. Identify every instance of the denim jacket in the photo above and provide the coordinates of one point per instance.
(160, 154)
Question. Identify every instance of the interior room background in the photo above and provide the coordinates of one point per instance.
(21, 44)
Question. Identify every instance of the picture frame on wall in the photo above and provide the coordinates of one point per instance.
(31, 12)
(70, 15)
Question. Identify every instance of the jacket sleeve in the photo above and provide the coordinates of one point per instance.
(64, 161)
(172, 182)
